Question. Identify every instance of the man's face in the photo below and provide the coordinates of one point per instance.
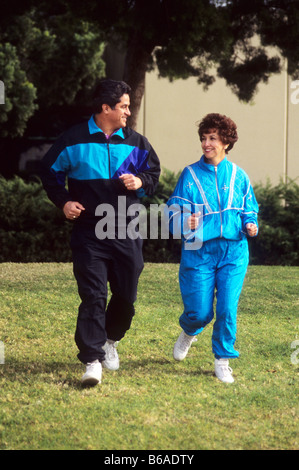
(119, 115)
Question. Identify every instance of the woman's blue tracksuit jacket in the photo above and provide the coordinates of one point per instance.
(215, 255)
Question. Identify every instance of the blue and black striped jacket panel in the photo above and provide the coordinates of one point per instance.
(92, 165)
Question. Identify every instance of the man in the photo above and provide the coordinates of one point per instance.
(103, 160)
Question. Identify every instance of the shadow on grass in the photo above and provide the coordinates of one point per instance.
(69, 374)
(49, 372)
(166, 366)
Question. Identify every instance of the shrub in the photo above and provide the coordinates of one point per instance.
(278, 239)
(32, 229)
(159, 251)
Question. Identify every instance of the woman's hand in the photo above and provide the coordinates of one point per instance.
(193, 220)
(251, 229)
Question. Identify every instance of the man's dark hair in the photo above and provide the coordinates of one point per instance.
(110, 92)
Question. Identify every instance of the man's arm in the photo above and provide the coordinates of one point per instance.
(53, 174)
(150, 176)
(131, 182)
(72, 209)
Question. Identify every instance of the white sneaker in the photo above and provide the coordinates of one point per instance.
(111, 360)
(182, 346)
(93, 374)
(223, 372)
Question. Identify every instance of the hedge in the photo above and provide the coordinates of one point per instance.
(32, 229)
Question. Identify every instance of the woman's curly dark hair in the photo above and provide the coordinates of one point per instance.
(225, 127)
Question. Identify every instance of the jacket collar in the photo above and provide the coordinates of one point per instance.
(208, 167)
(93, 128)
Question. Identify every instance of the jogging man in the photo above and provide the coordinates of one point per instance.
(102, 160)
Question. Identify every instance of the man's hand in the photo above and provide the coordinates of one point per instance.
(193, 220)
(131, 182)
(251, 229)
(72, 209)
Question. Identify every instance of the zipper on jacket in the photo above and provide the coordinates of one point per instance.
(218, 201)
(109, 163)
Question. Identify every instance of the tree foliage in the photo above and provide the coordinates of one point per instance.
(20, 93)
(196, 37)
(45, 62)
(57, 45)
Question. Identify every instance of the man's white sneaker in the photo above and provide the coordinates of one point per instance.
(182, 346)
(223, 372)
(93, 374)
(111, 360)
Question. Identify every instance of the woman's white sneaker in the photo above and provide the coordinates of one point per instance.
(222, 371)
(93, 374)
(182, 346)
(111, 360)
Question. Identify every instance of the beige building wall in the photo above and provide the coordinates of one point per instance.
(268, 128)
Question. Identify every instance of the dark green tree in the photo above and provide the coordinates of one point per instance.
(47, 61)
(196, 37)
(182, 38)
(20, 94)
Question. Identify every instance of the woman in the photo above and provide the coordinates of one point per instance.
(222, 210)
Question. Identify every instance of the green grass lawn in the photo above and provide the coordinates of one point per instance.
(152, 402)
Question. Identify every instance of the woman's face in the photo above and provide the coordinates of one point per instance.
(213, 148)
